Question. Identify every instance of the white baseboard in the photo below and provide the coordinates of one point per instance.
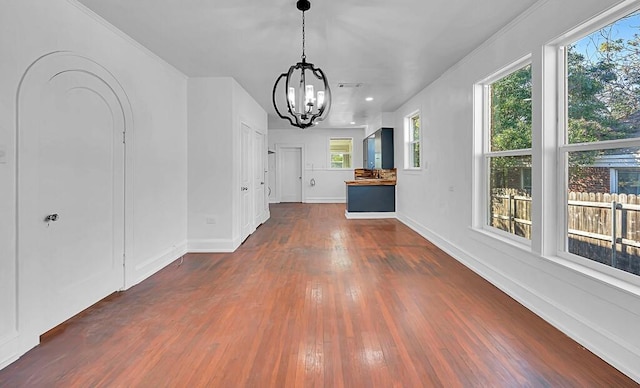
(599, 341)
(369, 215)
(154, 264)
(325, 200)
(213, 246)
(10, 349)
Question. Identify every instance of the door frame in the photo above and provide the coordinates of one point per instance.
(260, 169)
(46, 66)
(279, 168)
(246, 157)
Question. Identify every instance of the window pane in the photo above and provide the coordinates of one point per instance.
(511, 111)
(341, 145)
(415, 126)
(416, 155)
(591, 220)
(627, 181)
(603, 83)
(340, 150)
(510, 194)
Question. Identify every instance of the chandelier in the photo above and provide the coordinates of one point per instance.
(306, 89)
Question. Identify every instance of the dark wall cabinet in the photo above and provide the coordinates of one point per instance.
(369, 148)
(378, 149)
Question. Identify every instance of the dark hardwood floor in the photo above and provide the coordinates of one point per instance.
(312, 299)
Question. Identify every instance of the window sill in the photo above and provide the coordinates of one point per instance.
(620, 280)
(484, 234)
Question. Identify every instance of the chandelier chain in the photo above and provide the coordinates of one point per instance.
(303, 38)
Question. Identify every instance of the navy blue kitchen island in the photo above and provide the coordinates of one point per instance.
(371, 198)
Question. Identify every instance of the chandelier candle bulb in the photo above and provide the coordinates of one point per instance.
(309, 94)
(292, 96)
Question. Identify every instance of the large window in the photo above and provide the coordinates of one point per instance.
(412, 136)
(507, 150)
(340, 152)
(601, 145)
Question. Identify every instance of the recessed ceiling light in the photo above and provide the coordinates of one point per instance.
(353, 123)
(369, 99)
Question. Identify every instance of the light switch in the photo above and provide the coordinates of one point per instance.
(3, 154)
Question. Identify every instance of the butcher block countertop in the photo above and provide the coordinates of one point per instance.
(371, 182)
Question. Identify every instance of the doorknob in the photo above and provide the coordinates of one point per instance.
(262, 183)
(51, 218)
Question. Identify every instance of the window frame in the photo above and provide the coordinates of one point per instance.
(331, 153)
(558, 65)
(409, 142)
(482, 113)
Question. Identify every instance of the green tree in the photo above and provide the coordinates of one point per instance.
(511, 111)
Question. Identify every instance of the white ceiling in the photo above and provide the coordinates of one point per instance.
(393, 47)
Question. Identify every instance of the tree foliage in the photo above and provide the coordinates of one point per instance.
(603, 93)
(511, 111)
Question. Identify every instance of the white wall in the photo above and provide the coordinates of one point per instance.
(382, 120)
(217, 108)
(210, 156)
(157, 145)
(329, 187)
(601, 316)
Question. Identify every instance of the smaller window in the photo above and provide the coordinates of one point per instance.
(507, 150)
(412, 136)
(340, 152)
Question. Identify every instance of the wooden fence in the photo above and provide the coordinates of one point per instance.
(511, 212)
(601, 226)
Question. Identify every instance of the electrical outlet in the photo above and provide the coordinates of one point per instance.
(210, 220)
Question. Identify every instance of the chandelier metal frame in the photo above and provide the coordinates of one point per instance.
(315, 107)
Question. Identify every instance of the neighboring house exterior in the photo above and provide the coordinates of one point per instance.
(619, 174)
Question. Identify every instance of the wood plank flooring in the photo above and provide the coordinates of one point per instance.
(312, 299)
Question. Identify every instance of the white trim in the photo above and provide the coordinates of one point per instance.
(604, 344)
(369, 215)
(512, 67)
(613, 276)
(408, 141)
(601, 145)
(213, 245)
(504, 236)
(9, 351)
(502, 154)
(482, 153)
(560, 223)
(597, 22)
(155, 263)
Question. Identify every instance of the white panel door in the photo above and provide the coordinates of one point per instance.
(72, 170)
(246, 215)
(259, 176)
(291, 175)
